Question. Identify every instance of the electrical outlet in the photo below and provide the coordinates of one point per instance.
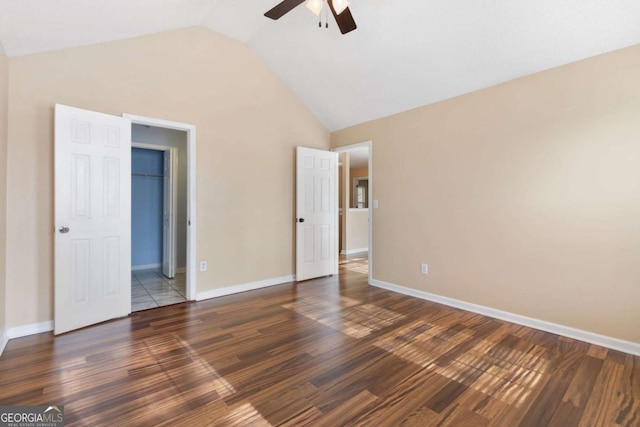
(424, 269)
(203, 265)
(375, 204)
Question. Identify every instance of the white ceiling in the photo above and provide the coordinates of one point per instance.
(404, 54)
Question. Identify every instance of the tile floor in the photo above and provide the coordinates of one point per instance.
(149, 289)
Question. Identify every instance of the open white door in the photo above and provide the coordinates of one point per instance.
(168, 216)
(316, 213)
(92, 218)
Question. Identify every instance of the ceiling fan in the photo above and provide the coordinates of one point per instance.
(339, 9)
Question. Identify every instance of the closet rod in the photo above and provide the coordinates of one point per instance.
(147, 176)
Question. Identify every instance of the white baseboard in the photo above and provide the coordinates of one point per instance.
(229, 290)
(33, 328)
(354, 251)
(23, 331)
(554, 328)
(36, 328)
(145, 267)
(4, 339)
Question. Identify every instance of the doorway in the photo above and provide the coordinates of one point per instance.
(355, 231)
(174, 279)
(158, 216)
(92, 262)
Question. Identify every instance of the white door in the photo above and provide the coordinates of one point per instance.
(168, 217)
(92, 218)
(316, 213)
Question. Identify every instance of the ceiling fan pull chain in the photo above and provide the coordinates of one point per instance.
(326, 15)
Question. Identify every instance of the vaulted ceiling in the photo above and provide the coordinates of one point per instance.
(404, 54)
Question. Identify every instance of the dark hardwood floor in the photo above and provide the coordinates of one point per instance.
(327, 352)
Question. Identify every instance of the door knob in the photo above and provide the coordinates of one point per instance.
(301, 220)
(64, 229)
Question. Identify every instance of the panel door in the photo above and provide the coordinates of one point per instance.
(316, 212)
(92, 244)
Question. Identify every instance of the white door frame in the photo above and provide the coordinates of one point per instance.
(191, 190)
(173, 191)
(347, 148)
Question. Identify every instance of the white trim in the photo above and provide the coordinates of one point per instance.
(554, 328)
(191, 191)
(337, 219)
(364, 144)
(369, 145)
(354, 251)
(31, 329)
(4, 339)
(145, 267)
(147, 146)
(229, 290)
(172, 232)
(23, 331)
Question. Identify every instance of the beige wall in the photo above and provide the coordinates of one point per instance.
(4, 82)
(523, 197)
(357, 229)
(248, 124)
(359, 173)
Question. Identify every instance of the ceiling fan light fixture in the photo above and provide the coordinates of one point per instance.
(345, 21)
(340, 6)
(315, 6)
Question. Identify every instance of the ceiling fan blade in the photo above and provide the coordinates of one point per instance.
(345, 19)
(282, 8)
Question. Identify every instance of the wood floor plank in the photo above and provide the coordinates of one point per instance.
(279, 407)
(444, 397)
(597, 351)
(568, 359)
(308, 417)
(403, 399)
(629, 413)
(482, 403)
(421, 417)
(204, 415)
(332, 351)
(570, 410)
(461, 416)
(349, 411)
(605, 400)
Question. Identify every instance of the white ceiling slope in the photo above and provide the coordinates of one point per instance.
(404, 54)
